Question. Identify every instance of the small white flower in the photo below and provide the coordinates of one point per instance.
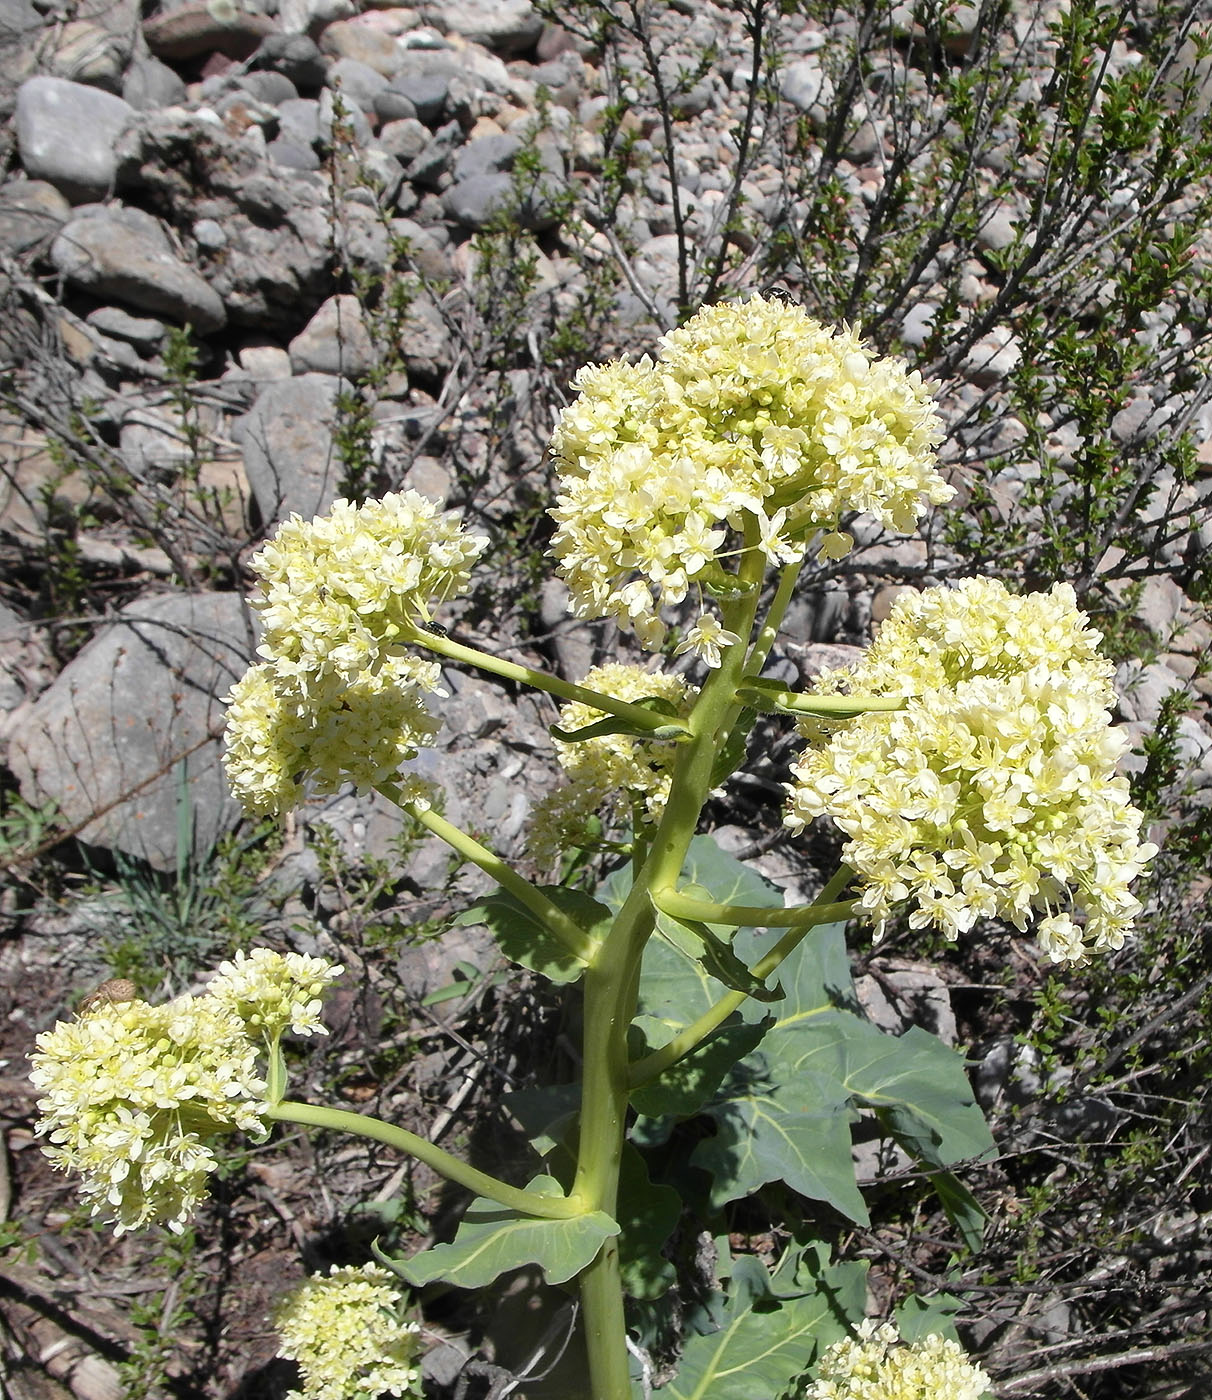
(706, 639)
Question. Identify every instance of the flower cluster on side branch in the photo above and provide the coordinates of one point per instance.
(337, 698)
(993, 791)
(876, 1365)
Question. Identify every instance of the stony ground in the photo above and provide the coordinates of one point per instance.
(250, 171)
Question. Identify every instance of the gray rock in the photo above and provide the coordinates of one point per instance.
(405, 139)
(506, 26)
(150, 84)
(915, 328)
(371, 46)
(424, 92)
(269, 87)
(434, 160)
(142, 332)
(426, 343)
(299, 121)
(489, 155)
(107, 739)
(477, 202)
(31, 212)
(311, 16)
(288, 447)
(1141, 689)
(334, 341)
(195, 28)
(125, 254)
(357, 82)
(805, 85)
(999, 227)
(296, 57)
(393, 106)
(896, 995)
(289, 155)
(352, 119)
(66, 134)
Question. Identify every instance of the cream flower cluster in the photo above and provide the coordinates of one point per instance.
(878, 1366)
(134, 1092)
(750, 408)
(615, 777)
(344, 1331)
(269, 991)
(993, 791)
(335, 699)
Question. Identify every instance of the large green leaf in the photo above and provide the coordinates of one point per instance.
(648, 1215)
(523, 938)
(491, 1241)
(685, 1087)
(767, 1341)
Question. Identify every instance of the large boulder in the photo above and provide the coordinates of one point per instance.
(125, 254)
(289, 455)
(134, 721)
(66, 134)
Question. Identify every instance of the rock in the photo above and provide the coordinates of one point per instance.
(434, 160)
(311, 16)
(356, 81)
(123, 253)
(195, 28)
(999, 227)
(142, 332)
(263, 361)
(269, 87)
(289, 155)
(426, 343)
(405, 140)
(288, 447)
(355, 41)
(85, 52)
(486, 156)
(295, 56)
(335, 341)
(915, 328)
(480, 200)
(106, 740)
(31, 212)
(1141, 689)
(993, 357)
(66, 134)
(425, 94)
(150, 84)
(896, 995)
(505, 26)
(805, 84)
(353, 128)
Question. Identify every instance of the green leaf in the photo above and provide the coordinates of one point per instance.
(648, 1215)
(491, 1241)
(917, 1317)
(964, 1211)
(616, 724)
(796, 1131)
(524, 939)
(686, 1086)
(766, 1341)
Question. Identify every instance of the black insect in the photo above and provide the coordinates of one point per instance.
(436, 629)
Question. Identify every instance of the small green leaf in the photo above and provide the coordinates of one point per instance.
(702, 944)
(963, 1210)
(523, 938)
(767, 1342)
(492, 1241)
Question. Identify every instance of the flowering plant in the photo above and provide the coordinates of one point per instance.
(968, 759)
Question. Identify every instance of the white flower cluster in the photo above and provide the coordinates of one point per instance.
(343, 1329)
(877, 1365)
(751, 409)
(993, 792)
(134, 1094)
(336, 699)
(270, 991)
(618, 778)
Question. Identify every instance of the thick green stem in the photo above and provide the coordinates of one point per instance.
(647, 1069)
(340, 1120)
(612, 986)
(541, 680)
(566, 930)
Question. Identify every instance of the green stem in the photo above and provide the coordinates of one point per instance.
(561, 927)
(612, 985)
(362, 1125)
(541, 680)
(794, 702)
(644, 1070)
(683, 906)
(773, 619)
